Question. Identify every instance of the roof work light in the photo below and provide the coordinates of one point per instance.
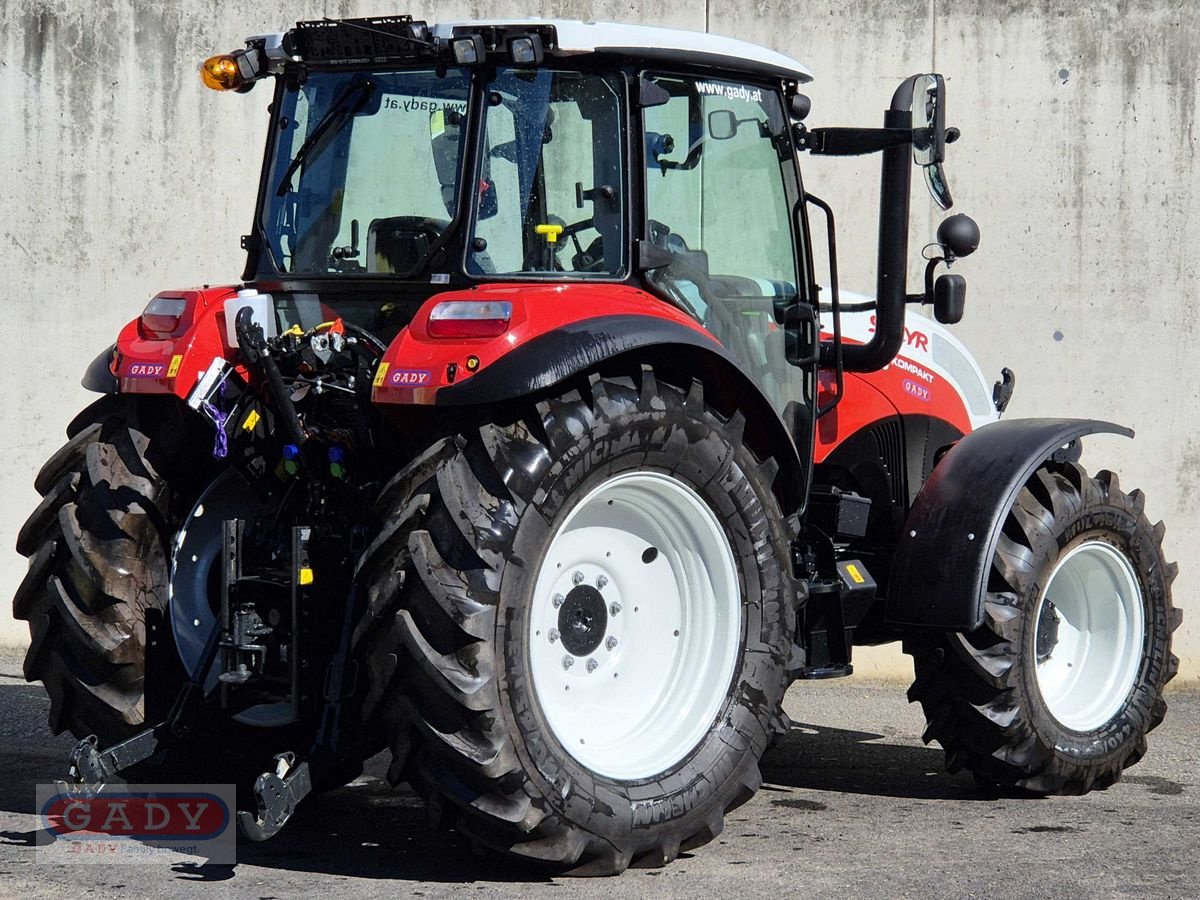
(525, 50)
(468, 50)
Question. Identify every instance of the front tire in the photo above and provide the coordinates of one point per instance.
(498, 536)
(1056, 692)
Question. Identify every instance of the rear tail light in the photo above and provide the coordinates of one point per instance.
(162, 316)
(470, 318)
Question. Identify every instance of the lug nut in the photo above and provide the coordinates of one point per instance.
(577, 578)
(614, 608)
(611, 643)
(568, 661)
(558, 600)
(601, 581)
(552, 634)
(592, 665)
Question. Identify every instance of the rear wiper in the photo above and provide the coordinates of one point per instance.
(329, 126)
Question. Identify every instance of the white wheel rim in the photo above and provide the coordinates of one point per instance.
(647, 551)
(1090, 624)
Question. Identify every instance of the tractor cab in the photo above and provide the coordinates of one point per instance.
(406, 159)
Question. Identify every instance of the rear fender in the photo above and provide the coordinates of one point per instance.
(564, 331)
(940, 570)
(555, 331)
(141, 363)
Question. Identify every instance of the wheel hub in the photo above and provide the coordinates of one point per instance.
(1047, 631)
(582, 620)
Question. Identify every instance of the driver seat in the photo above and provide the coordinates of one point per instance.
(399, 243)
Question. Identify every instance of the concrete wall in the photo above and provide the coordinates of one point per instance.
(120, 176)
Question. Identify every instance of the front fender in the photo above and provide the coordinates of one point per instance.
(940, 570)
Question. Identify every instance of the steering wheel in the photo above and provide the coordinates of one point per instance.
(399, 240)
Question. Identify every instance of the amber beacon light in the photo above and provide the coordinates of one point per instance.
(222, 73)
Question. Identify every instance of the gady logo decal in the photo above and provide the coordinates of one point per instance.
(146, 370)
(410, 377)
(919, 391)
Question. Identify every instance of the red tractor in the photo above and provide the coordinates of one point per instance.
(530, 450)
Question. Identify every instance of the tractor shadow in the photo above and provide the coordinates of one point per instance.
(367, 830)
(29, 754)
(817, 757)
(371, 830)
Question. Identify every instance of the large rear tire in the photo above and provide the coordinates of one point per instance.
(624, 550)
(99, 561)
(1058, 689)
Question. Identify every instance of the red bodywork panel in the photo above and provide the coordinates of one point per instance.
(905, 387)
(416, 365)
(147, 364)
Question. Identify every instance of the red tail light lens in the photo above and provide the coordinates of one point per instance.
(162, 316)
(470, 318)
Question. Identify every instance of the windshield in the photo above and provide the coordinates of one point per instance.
(365, 174)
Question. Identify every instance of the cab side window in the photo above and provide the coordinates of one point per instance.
(715, 192)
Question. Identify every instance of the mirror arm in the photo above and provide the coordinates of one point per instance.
(930, 267)
(850, 141)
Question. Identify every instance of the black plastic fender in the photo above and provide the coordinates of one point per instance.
(97, 377)
(940, 570)
(580, 347)
(573, 348)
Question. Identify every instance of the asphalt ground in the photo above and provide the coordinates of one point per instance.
(853, 805)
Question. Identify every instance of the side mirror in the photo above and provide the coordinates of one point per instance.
(929, 120)
(445, 131)
(949, 299)
(930, 135)
(722, 124)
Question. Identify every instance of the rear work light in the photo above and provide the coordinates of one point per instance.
(469, 50)
(470, 318)
(525, 50)
(162, 316)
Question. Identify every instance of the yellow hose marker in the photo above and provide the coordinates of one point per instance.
(252, 419)
(550, 231)
(306, 576)
(855, 575)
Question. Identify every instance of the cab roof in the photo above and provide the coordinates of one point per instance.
(334, 41)
(649, 41)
